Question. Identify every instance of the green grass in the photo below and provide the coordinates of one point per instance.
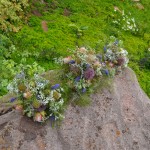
(97, 15)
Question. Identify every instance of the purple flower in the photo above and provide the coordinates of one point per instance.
(77, 79)
(56, 86)
(106, 72)
(71, 62)
(83, 90)
(13, 99)
(89, 74)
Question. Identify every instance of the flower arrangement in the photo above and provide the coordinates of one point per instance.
(115, 57)
(36, 98)
(85, 66)
(82, 68)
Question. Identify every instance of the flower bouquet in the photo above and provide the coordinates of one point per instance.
(36, 98)
(115, 57)
(81, 69)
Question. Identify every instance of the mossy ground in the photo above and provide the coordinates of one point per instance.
(97, 15)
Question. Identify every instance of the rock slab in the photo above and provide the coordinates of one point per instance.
(117, 119)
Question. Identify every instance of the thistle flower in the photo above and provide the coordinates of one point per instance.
(52, 118)
(106, 72)
(89, 74)
(116, 42)
(13, 99)
(71, 62)
(83, 90)
(105, 48)
(56, 86)
(120, 61)
(77, 79)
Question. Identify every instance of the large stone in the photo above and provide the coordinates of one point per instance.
(117, 119)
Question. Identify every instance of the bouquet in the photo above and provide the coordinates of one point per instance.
(36, 97)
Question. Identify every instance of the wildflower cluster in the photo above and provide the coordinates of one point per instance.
(36, 98)
(85, 66)
(126, 22)
(115, 57)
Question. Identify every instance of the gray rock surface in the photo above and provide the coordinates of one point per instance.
(117, 119)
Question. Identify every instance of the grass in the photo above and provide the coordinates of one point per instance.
(97, 15)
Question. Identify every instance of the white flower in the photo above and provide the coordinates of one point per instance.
(128, 22)
(67, 59)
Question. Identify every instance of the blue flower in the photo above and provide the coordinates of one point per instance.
(13, 99)
(87, 66)
(106, 72)
(83, 90)
(71, 62)
(52, 118)
(56, 86)
(77, 79)
(116, 42)
(105, 48)
(99, 56)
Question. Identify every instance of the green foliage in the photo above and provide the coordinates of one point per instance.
(9, 69)
(79, 31)
(145, 62)
(12, 14)
(32, 43)
(10, 66)
(83, 101)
